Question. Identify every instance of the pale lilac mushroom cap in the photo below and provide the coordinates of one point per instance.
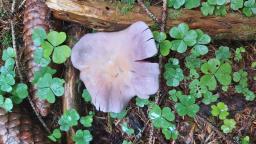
(112, 69)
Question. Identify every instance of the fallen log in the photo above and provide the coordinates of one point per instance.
(106, 16)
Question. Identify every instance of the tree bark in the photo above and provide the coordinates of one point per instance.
(106, 16)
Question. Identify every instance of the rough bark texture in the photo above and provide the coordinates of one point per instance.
(71, 98)
(102, 15)
(35, 15)
(17, 128)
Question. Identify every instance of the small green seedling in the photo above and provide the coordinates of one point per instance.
(236, 4)
(55, 135)
(223, 53)
(86, 96)
(186, 106)
(120, 115)
(238, 54)
(241, 78)
(249, 8)
(82, 137)
(174, 95)
(228, 126)
(220, 110)
(216, 7)
(68, 119)
(245, 140)
(126, 142)
(6, 103)
(86, 121)
(129, 131)
(163, 44)
(141, 102)
(189, 4)
(173, 73)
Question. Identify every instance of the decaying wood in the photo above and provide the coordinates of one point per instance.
(17, 128)
(35, 15)
(103, 15)
(71, 97)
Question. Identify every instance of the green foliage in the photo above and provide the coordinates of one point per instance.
(163, 44)
(249, 8)
(55, 135)
(223, 53)
(216, 7)
(141, 102)
(82, 137)
(241, 78)
(184, 38)
(126, 129)
(220, 110)
(127, 6)
(51, 45)
(173, 73)
(214, 69)
(238, 54)
(176, 3)
(86, 96)
(192, 62)
(68, 119)
(189, 4)
(236, 4)
(174, 95)
(228, 126)
(6, 103)
(120, 115)
(245, 140)
(86, 121)
(186, 106)
(19, 93)
(49, 87)
(162, 118)
(126, 142)
(10, 91)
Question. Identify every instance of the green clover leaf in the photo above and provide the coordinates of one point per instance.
(49, 87)
(236, 4)
(55, 135)
(56, 38)
(175, 3)
(220, 110)
(170, 132)
(82, 137)
(190, 4)
(8, 53)
(61, 54)
(126, 129)
(141, 102)
(38, 36)
(86, 96)
(120, 115)
(39, 58)
(228, 126)
(68, 119)
(159, 36)
(207, 9)
(186, 106)
(86, 121)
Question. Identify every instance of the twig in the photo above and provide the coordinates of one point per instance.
(13, 5)
(227, 138)
(18, 68)
(158, 95)
(150, 14)
(21, 4)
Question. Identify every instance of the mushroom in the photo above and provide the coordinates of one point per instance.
(112, 68)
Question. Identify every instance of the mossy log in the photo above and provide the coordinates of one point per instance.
(106, 16)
